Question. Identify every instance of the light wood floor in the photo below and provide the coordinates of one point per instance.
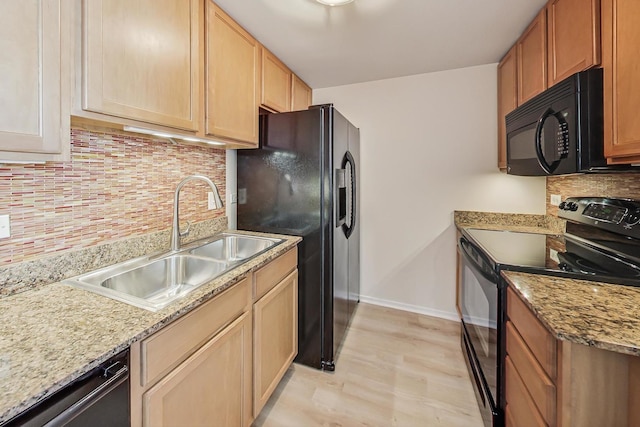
(395, 369)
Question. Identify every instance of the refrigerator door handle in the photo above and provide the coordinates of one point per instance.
(341, 197)
(349, 160)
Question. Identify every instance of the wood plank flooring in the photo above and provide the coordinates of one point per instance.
(395, 369)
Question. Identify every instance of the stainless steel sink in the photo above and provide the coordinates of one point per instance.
(154, 282)
(234, 248)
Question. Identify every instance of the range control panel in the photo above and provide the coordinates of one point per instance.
(621, 216)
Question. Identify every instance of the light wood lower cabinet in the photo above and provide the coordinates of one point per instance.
(220, 363)
(212, 387)
(275, 325)
(198, 368)
(564, 383)
(275, 337)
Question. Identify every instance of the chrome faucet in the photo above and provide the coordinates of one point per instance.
(176, 234)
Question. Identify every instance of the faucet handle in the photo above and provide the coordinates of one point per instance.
(185, 233)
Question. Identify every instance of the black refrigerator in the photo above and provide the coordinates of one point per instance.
(303, 181)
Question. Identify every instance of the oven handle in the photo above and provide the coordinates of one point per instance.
(490, 276)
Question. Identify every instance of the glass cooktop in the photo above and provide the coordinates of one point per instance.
(598, 256)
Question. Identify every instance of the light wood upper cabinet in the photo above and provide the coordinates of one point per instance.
(142, 60)
(573, 28)
(507, 100)
(212, 387)
(621, 64)
(300, 94)
(276, 83)
(232, 77)
(34, 124)
(532, 59)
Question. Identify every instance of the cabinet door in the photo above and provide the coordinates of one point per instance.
(212, 387)
(621, 62)
(276, 83)
(507, 100)
(301, 94)
(141, 60)
(275, 337)
(231, 78)
(574, 37)
(532, 59)
(32, 124)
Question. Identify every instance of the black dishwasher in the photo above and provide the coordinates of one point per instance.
(98, 398)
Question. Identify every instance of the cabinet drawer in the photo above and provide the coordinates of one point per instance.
(536, 381)
(541, 343)
(271, 274)
(521, 407)
(173, 344)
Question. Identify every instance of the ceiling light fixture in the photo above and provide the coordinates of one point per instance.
(334, 2)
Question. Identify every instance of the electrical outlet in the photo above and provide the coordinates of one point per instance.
(242, 196)
(556, 199)
(211, 204)
(5, 227)
(234, 198)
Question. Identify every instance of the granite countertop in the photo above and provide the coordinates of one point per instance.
(52, 335)
(524, 223)
(596, 314)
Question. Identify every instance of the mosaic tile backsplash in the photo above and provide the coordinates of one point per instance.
(115, 186)
(625, 185)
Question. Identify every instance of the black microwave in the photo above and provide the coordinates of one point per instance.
(559, 131)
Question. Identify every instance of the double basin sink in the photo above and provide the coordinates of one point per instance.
(153, 282)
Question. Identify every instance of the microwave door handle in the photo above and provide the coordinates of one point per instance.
(541, 160)
(548, 168)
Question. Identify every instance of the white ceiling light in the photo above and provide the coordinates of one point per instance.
(334, 2)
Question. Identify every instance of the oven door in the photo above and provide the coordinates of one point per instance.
(481, 305)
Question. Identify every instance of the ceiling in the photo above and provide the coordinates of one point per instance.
(378, 39)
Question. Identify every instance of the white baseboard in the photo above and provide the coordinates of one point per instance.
(411, 308)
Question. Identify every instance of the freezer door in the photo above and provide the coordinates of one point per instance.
(354, 226)
(340, 143)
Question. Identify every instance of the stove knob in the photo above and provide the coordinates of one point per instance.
(574, 206)
(633, 217)
(562, 205)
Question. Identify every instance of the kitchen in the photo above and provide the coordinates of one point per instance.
(446, 164)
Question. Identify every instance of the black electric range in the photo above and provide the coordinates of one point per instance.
(601, 243)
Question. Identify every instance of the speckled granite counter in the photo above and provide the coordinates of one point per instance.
(590, 313)
(52, 335)
(527, 223)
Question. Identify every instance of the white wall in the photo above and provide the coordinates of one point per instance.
(428, 147)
